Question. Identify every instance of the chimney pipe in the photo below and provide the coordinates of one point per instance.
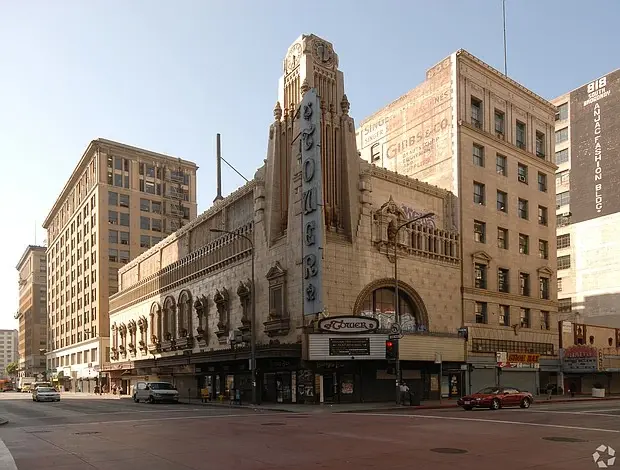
(219, 197)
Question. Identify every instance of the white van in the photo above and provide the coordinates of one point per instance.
(153, 392)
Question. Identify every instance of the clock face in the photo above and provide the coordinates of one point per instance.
(292, 59)
(323, 52)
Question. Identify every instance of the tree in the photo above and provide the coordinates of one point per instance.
(11, 369)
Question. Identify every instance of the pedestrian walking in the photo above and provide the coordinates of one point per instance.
(550, 388)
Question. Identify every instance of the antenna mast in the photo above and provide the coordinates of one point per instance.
(505, 47)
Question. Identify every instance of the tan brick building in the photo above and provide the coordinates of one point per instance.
(32, 313)
(119, 201)
(182, 302)
(471, 130)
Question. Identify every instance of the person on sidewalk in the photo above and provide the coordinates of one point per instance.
(572, 389)
(405, 394)
(550, 388)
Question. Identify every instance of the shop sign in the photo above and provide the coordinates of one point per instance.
(351, 324)
(349, 347)
(579, 364)
(524, 358)
(580, 351)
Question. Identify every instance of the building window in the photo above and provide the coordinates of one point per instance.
(113, 217)
(562, 113)
(481, 275)
(544, 288)
(502, 201)
(540, 144)
(145, 205)
(542, 182)
(145, 241)
(118, 180)
(504, 315)
(524, 284)
(125, 219)
(562, 220)
(479, 193)
(543, 249)
(156, 207)
(561, 199)
(524, 244)
(543, 218)
(499, 124)
(544, 320)
(480, 229)
(522, 172)
(113, 236)
(481, 312)
(561, 156)
(559, 284)
(565, 305)
(476, 112)
(145, 223)
(156, 225)
(502, 238)
(520, 135)
(123, 200)
(562, 178)
(478, 152)
(563, 241)
(113, 255)
(503, 280)
(524, 317)
(112, 198)
(501, 165)
(523, 209)
(564, 262)
(123, 256)
(124, 238)
(561, 136)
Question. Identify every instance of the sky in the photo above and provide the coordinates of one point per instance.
(169, 75)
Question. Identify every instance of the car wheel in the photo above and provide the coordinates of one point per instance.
(151, 400)
(135, 399)
(525, 403)
(495, 405)
(468, 408)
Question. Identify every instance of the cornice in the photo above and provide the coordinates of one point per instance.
(498, 74)
(206, 215)
(549, 305)
(375, 171)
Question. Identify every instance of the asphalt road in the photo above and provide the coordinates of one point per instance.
(98, 433)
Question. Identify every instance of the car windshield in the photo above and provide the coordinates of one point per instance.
(161, 386)
(45, 389)
(489, 391)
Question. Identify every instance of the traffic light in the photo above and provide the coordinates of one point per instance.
(391, 349)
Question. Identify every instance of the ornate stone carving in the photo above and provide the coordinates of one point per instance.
(143, 327)
(304, 87)
(221, 304)
(244, 291)
(278, 323)
(201, 305)
(345, 105)
(277, 112)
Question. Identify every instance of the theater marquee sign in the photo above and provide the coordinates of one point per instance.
(312, 203)
(350, 325)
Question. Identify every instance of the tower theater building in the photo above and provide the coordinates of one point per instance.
(587, 153)
(322, 225)
(469, 129)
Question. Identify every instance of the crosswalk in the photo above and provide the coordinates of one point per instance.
(6, 458)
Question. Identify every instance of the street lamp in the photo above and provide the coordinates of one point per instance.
(253, 317)
(396, 295)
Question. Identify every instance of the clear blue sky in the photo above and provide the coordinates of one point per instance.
(169, 75)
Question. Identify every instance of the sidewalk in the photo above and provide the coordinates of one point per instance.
(370, 407)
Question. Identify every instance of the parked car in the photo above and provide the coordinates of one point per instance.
(45, 394)
(153, 392)
(495, 398)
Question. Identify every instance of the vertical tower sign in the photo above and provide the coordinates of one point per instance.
(311, 202)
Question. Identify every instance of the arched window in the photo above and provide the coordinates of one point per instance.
(170, 318)
(185, 314)
(380, 303)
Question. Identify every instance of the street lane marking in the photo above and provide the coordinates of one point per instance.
(608, 409)
(108, 413)
(498, 421)
(143, 420)
(6, 458)
(580, 413)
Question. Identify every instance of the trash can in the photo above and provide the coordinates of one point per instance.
(415, 393)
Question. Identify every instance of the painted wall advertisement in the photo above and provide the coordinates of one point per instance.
(595, 125)
(412, 135)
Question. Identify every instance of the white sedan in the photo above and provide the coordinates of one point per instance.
(45, 394)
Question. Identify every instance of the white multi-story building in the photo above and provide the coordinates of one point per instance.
(8, 350)
(587, 153)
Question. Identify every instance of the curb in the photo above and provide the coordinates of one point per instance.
(454, 405)
(232, 407)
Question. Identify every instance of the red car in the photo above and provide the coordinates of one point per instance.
(495, 398)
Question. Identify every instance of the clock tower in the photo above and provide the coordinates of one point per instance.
(311, 62)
